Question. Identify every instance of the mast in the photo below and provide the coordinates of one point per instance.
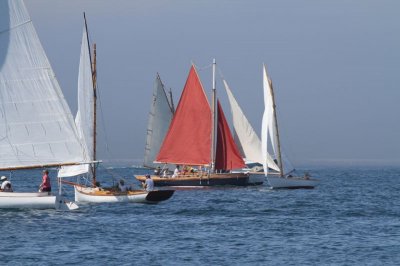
(213, 118)
(280, 164)
(94, 79)
(171, 101)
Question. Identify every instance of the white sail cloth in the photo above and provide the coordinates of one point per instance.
(248, 140)
(36, 125)
(269, 128)
(84, 117)
(160, 116)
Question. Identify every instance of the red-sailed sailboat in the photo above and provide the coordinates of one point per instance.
(199, 138)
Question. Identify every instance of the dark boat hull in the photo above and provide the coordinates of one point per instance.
(230, 179)
(159, 195)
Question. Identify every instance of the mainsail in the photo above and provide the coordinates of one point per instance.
(188, 140)
(227, 156)
(246, 136)
(160, 116)
(36, 125)
(270, 128)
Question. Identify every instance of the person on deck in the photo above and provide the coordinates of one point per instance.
(122, 187)
(157, 171)
(165, 173)
(6, 184)
(176, 171)
(45, 186)
(149, 183)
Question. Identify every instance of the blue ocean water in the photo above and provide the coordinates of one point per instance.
(351, 218)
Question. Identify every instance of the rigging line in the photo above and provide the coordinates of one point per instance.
(201, 68)
(16, 26)
(220, 73)
(102, 117)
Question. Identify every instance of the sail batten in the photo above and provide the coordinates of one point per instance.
(36, 125)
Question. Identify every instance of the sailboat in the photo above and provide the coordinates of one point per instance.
(248, 140)
(160, 116)
(86, 123)
(199, 136)
(270, 133)
(36, 125)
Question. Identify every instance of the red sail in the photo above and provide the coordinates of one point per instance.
(188, 140)
(228, 155)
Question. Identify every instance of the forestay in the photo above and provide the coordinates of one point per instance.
(36, 125)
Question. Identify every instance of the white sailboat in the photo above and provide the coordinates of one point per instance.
(160, 116)
(270, 133)
(86, 123)
(248, 140)
(36, 126)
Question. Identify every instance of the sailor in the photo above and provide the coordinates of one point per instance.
(176, 171)
(122, 187)
(6, 184)
(157, 171)
(149, 183)
(45, 186)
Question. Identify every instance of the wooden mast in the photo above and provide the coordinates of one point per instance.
(280, 164)
(213, 118)
(94, 79)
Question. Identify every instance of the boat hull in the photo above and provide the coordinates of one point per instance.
(277, 182)
(256, 178)
(87, 194)
(27, 200)
(229, 179)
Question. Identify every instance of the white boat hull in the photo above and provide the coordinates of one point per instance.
(27, 200)
(87, 194)
(291, 182)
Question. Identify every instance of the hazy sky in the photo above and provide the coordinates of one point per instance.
(335, 66)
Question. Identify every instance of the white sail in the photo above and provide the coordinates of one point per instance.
(269, 128)
(267, 120)
(160, 116)
(36, 125)
(84, 117)
(248, 140)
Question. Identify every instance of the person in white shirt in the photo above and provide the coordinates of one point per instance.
(5, 185)
(149, 184)
(176, 171)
